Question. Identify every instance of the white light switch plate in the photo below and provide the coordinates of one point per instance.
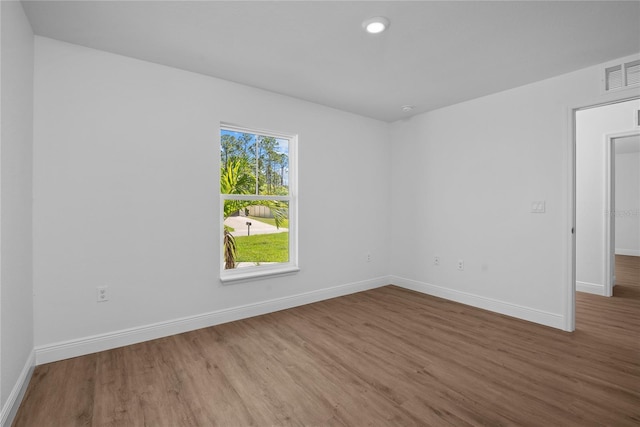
(538, 207)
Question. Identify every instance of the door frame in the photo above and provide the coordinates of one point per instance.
(610, 206)
(570, 295)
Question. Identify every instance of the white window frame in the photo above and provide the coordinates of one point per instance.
(262, 271)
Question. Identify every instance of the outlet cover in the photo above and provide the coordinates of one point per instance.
(102, 294)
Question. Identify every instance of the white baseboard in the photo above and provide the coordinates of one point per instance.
(10, 408)
(629, 252)
(502, 307)
(591, 288)
(92, 344)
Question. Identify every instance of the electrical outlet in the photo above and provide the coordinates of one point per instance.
(460, 265)
(368, 257)
(436, 260)
(102, 294)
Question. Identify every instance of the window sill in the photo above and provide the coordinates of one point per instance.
(257, 273)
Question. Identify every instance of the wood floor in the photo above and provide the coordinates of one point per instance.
(385, 357)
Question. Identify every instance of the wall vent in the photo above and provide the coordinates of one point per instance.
(632, 73)
(622, 76)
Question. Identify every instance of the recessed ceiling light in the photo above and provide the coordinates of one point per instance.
(376, 25)
(407, 108)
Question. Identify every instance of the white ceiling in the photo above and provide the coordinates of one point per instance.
(434, 53)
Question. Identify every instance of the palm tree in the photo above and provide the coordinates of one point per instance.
(234, 179)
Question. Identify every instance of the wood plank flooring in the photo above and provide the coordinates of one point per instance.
(385, 357)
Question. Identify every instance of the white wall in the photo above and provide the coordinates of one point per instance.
(126, 181)
(627, 200)
(126, 195)
(16, 308)
(464, 178)
(592, 127)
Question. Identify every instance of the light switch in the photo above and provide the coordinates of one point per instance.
(538, 207)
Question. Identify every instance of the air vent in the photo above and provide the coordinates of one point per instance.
(632, 73)
(622, 76)
(614, 77)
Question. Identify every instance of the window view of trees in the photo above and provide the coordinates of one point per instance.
(262, 162)
(254, 183)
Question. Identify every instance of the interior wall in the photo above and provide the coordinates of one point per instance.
(126, 182)
(16, 136)
(466, 176)
(592, 127)
(627, 201)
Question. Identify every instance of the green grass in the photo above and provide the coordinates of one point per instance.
(271, 221)
(263, 247)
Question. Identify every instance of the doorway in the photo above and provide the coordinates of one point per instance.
(624, 209)
(604, 134)
(623, 203)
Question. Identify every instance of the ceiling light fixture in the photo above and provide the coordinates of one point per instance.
(376, 25)
(407, 108)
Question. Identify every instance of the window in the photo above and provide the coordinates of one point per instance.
(257, 203)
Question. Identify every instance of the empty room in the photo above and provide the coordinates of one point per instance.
(319, 213)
